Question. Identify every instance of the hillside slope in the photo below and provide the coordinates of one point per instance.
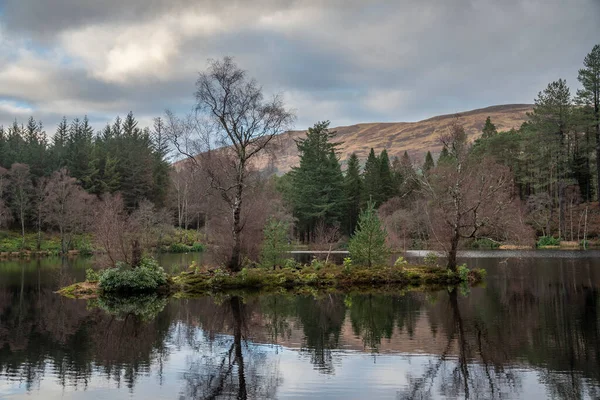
(396, 137)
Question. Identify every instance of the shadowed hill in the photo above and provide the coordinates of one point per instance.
(414, 137)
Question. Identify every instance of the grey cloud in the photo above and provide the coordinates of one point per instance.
(348, 61)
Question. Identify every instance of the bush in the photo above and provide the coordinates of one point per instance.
(548, 241)
(148, 276)
(184, 248)
(431, 259)
(400, 261)
(91, 275)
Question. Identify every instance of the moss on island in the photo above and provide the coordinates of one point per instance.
(198, 281)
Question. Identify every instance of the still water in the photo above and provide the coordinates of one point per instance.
(532, 332)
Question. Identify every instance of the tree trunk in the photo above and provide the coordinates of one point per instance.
(23, 225)
(237, 311)
(235, 261)
(452, 252)
(597, 114)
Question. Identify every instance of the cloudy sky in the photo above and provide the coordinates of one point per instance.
(345, 60)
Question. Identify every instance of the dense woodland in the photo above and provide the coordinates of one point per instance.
(506, 187)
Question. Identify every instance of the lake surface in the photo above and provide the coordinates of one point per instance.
(532, 332)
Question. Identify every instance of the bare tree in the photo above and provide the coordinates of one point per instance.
(5, 213)
(231, 113)
(21, 188)
(66, 206)
(111, 229)
(469, 198)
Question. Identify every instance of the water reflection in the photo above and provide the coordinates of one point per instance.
(534, 331)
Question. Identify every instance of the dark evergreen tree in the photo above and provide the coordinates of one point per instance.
(317, 192)
(386, 179)
(489, 129)
(352, 193)
(429, 163)
(589, 96)
(372, 180)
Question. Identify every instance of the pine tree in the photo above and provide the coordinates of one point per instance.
(59, 144)
(275, 243)
(352, 193)
(589, 95)
(428, 164)
(387, 188)
(367, 245)
(317, 193)
(489, 129)
(444, 156)
(372, 179)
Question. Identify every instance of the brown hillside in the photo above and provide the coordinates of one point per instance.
(396, 137)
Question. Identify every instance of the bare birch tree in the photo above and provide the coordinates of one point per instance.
(233, 119)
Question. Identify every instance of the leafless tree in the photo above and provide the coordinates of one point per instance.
(5, 213)
(111, 229)
(469, 198)
(232, 114)
(40, 207)
(21, 187)
(66, 206)
(151, 223)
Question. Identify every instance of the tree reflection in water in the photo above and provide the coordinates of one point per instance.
(228, 367)
(542, 322)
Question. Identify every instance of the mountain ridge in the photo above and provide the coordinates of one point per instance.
(396, 137)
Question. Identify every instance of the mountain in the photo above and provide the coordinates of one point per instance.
(396, 137)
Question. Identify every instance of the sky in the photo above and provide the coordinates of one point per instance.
(347, 61)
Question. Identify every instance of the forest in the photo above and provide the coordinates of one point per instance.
(126, 183)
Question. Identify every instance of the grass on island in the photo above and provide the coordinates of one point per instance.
(319, 275)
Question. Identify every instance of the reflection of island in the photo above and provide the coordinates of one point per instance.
(551, 323)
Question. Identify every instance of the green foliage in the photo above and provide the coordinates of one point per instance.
(431, 259)
(12, 242)
(548, 241)
(144, 306)
(400, 261)
(185, 248)
(353, 188)
(429, 163)
(387, 189)
(148, 276)
(372, 179)
(316, 191)
(347, 263)
(275, 243)
(91, 275)
(463, 272)
(484, 243)
(367, 246)
(489, 129)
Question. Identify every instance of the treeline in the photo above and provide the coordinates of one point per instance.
(48, 182)
(553, 161)
(122, 157)
(327, 202)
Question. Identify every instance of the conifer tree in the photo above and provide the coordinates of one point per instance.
(489, 129)
(372, 179)
(444, 156)
(59, 144)
(589, 95)
(367, 245)
(352, 193)
(388, 190)
(429, 163)
(317, 192)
